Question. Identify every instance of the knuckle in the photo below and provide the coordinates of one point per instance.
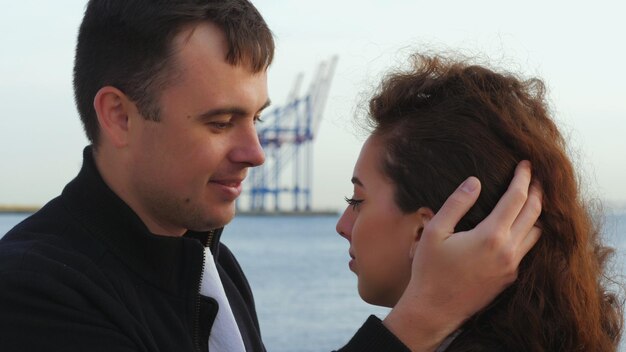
(432, 228)
(511, 277)
(508, 261)
(534, 205)
(519, 194)
(495, 241)
(457, 199)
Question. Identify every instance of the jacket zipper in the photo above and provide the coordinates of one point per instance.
(196, 321)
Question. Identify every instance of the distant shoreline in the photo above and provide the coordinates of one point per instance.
(18, 209)
(288, 213)
(613, 207)
(29, 209)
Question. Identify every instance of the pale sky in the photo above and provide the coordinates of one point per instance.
(576, 47)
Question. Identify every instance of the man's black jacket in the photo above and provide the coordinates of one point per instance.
(85, 274)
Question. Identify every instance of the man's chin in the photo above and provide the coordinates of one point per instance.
(216, 220)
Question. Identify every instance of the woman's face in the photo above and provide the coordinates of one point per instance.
(381, 237)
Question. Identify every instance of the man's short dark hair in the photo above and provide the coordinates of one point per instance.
(127, 44)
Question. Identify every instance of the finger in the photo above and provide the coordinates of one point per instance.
(509, 206)
(529, 215)
(527, 243)
(455, 207)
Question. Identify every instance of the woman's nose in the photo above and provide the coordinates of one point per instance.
(344, 224)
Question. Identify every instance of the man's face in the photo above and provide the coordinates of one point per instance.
(187, 169)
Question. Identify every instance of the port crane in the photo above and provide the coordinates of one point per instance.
(284, 182)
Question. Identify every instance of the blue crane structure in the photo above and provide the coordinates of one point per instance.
(286, 135)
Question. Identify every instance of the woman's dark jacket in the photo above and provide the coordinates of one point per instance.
(85, 274)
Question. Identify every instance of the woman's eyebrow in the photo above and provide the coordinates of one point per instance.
(355, 181)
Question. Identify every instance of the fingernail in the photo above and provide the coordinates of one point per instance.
(470, 185)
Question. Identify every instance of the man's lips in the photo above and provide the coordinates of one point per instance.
(233, 180)
(228, 183)
(231, 188)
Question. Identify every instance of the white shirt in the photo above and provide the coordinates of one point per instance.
(224, 335)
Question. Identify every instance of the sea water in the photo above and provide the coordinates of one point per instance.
(306, 296)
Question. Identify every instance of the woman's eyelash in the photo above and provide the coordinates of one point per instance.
(353, 202)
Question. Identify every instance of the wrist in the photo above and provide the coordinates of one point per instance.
(420, 327)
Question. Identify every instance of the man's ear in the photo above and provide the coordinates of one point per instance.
(112, 109)
(422, 217)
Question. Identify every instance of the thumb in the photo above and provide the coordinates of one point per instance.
(457, 205)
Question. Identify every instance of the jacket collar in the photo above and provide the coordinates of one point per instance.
(105, 216)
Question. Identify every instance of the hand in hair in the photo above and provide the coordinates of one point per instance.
(457, 274)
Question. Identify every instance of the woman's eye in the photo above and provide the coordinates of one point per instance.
(257, 119)
(353, 202)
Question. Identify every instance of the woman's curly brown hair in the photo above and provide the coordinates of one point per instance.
(446, 120)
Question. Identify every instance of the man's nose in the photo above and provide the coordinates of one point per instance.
(249, 150)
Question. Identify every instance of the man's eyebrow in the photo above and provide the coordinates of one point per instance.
(355, 181)
(232, 110)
